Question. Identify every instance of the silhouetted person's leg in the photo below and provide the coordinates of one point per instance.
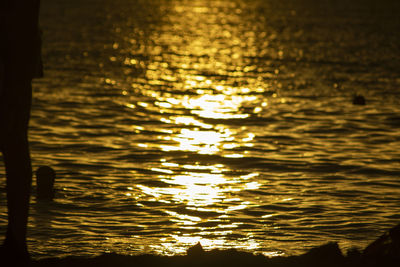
(19, 63)
(17, 161)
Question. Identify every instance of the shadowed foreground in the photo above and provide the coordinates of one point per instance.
(385, 251)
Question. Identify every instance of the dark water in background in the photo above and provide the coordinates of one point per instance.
(224, 122)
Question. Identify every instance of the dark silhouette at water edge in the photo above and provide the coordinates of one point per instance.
(385, 251)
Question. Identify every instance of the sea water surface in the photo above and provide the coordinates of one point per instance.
(170, 122)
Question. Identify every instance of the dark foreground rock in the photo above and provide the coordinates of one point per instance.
(385, 251)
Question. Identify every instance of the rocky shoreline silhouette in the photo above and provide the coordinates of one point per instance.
(385, 251)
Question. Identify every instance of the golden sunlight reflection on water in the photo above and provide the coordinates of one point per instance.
(206, 102)
(200, 187)
(202, 190)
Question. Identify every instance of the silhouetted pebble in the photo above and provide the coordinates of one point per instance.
(329, 251)
(196, 250)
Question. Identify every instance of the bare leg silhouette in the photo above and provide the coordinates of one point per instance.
(18, 64)
(18, 165)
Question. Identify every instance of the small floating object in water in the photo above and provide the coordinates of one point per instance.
(358, 100)
(45, 177)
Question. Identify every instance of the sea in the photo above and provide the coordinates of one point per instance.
(224, 122)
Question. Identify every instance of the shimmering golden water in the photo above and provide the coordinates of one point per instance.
(224, 122)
